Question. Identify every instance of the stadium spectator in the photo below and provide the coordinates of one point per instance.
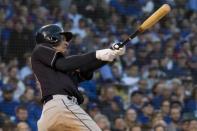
(159, 128)
(8, 104)
(22, 116)
(175, 114)
(130, 118)
(23, 126)
(136, 128)
(26, 69)
(33, 106)
(93, 109)
(136, 101)
(129, 58)
(193, 125)
(165, 110)
(13, 80)
(119, 124)
(131, 76)
(102, 122)
(146, 115)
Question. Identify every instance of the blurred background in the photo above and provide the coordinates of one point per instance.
(153, 87)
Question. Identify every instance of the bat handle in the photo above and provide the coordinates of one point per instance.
(118, 45)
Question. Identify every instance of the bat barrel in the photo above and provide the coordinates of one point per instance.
(154, 18)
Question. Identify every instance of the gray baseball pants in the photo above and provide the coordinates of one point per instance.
(63, 114)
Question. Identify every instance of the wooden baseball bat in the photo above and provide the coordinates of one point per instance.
(150, 21)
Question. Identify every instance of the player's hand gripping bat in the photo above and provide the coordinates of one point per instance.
(150, 21)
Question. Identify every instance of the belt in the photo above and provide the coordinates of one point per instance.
(50, 97)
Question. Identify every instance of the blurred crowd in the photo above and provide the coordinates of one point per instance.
(153, 87)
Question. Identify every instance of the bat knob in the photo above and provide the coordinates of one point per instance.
(116, 45)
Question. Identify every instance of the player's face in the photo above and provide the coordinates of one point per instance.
(63, 46)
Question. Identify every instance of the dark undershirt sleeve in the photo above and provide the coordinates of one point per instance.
(84, 63)
(86, 73)
(94, 66)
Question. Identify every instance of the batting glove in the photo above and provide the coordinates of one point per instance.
(106, 54)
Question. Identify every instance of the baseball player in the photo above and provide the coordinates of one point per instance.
(59, 75)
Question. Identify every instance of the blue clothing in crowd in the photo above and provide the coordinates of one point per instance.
(192, 5)
(8, 107)
(34, 111)
(90, 89)
(144, 120)
(156, 102)
(191, 106)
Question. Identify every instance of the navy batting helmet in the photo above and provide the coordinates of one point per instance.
(52, 34)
